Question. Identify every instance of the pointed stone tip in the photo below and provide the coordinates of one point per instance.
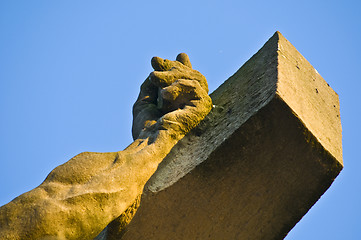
(278, 35)
(272, 45)
(277, 38)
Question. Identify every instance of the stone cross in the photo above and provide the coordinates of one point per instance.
(265, 154)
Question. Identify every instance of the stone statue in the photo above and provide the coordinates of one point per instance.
(79, 198)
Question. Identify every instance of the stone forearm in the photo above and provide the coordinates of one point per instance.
(81, 197)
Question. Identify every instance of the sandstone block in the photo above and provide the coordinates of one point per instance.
(265, 154)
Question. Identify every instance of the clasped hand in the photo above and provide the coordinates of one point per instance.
(173, 98)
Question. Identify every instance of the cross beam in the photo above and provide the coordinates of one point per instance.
(265, 154)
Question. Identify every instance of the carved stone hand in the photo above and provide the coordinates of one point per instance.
(174, 97)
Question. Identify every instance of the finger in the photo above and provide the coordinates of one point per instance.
(183, 58)
(180, 94)
(185, 119)
(171, 92)
(163, 79)
(185, 89)
(160, 64)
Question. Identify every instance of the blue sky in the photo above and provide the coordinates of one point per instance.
(71, 70)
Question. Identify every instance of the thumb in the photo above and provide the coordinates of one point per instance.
(160, 64)
(183, 58)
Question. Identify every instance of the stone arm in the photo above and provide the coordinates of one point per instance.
(80, 198)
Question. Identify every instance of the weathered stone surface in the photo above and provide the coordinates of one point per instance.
(264, 155)
(79, 198)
